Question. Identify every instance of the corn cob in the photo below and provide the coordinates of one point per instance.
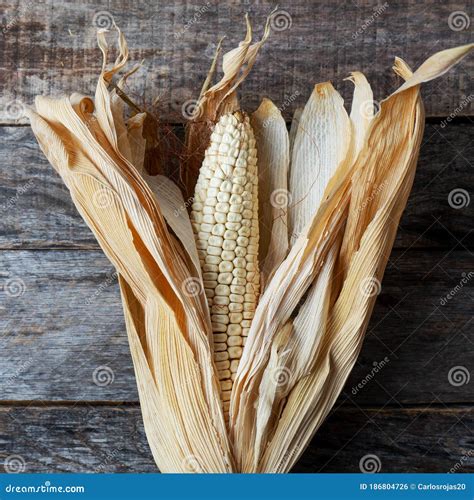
(225, 221)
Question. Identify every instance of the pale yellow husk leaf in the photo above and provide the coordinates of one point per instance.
(348, 178)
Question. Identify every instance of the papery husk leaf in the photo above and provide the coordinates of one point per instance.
(137, 141)
(401, 120)
(367, 191)
(133, 234)
(166, 320)
(285, 291)
(313, 398)
(325, 137)
(362, 108)
(272, 141)
(368, 167)
(295, 123)
(221, 98)
(173, 208)
(322, 142)
(177, 444)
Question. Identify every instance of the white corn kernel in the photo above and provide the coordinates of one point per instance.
(225, 222)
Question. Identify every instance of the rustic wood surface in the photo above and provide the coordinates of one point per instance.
(103, 438)
(49, 47)
(65, 328)
(37, 211)
(68, 400)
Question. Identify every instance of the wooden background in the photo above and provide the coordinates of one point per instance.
(68, 400)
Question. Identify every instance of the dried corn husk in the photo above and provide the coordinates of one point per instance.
(346, 180)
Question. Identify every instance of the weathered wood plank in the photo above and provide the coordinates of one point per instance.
(37, 212)
(112, 439)
(49, 47)
(63, 335)
(401, 440)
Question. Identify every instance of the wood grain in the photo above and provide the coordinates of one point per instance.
(63, 335)
(49, 47)
(112, 439)
(37, 212)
